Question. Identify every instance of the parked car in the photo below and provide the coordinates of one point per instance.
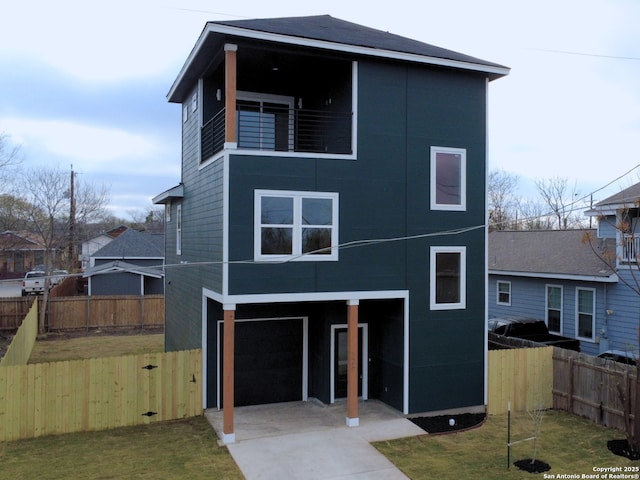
(621, 356)
(58, 276)
(33, 282)
(531, 329)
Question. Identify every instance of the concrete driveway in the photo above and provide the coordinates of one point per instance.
(308, 440)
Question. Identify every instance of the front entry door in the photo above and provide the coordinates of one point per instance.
(339, 362)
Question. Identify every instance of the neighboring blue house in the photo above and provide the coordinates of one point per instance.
(585, 289)
(328, 231)
(131, 264)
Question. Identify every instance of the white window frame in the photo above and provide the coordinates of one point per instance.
(269, 98)
(297, 226)
(179, 229)
(546, 307)
(462, 206)
(592, 313)
(462, 251)
(503, 282)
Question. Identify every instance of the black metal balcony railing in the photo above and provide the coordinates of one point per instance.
(281, 129)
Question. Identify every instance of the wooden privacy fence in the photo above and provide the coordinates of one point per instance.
(81, 395)
(105, 312)
(21, 346)
(13, 310)
(588, 386)
(523, 377)
(65, 313)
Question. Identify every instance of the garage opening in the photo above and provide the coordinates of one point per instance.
(270, 361)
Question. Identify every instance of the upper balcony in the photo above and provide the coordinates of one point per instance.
(294, 102)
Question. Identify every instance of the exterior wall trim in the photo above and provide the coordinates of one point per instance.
(312, 297)
(558, 276)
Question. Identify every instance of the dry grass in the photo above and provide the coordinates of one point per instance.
(54, 349)
(570, 444)
(169, 450)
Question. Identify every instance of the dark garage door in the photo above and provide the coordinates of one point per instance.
(268, 361)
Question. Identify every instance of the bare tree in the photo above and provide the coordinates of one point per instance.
(150, 220)
(9, 160)
(625, 254)
(502, 201)
(561, 201)
(53, 203)
(532, 216)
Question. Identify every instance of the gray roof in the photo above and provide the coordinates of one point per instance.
(116, 266)
(549, 253)
(133, 244)
(335, 30)
(626, 196)
(323, 32)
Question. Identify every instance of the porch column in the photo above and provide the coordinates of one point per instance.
(352, 363)
(230, 85)
(228, 433)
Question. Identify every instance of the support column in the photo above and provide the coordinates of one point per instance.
(352, 364)
(228, 432)
(230, 88)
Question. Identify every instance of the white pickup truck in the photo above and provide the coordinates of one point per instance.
(33, 282)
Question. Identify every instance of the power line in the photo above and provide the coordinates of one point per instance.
(565, 52)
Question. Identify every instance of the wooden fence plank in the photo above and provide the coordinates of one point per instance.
(80, 395)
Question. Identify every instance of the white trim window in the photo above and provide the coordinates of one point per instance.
(448, 178)
(300, 226)
(448, 278)
(585, 313)
(179, 229)
(553, 308)
(503, 292)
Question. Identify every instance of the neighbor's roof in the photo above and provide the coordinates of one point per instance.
(133, 244)
(329, 33)
(118, 266)
(629, 197)
(550, 254)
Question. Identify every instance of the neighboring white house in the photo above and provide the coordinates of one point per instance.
(91, 246)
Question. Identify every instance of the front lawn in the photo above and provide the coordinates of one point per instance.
(569, 444)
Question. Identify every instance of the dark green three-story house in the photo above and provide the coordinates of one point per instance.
(328, 238)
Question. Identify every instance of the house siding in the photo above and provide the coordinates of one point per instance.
(528, 299)
(200, 262)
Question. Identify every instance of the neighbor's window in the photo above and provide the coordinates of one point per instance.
(554, 308)
(503, 293)
(585, 308)
(448, 178)
(448, 278)
(179, 229)
(296, 225)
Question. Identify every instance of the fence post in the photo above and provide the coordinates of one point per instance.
(570, 387)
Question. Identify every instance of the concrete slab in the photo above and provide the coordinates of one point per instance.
(308, 440)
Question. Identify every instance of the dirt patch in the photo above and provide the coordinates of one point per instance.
(5, 341)
(96, 332)
(449, 423)
(532, 466)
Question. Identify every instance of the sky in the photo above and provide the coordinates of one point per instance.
(85, 83)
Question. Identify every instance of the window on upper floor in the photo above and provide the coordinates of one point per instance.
(448, 278)
(299, 226)
(554, 308)
(503, 293)
(179, 229)
(585, 317)
(448, 178)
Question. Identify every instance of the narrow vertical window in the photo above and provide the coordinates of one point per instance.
(448, 178)
(178, 229)
(554, 308)
(585, 308)
(448, 278)
(503, 292)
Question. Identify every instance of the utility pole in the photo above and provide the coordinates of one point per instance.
(72, 221)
